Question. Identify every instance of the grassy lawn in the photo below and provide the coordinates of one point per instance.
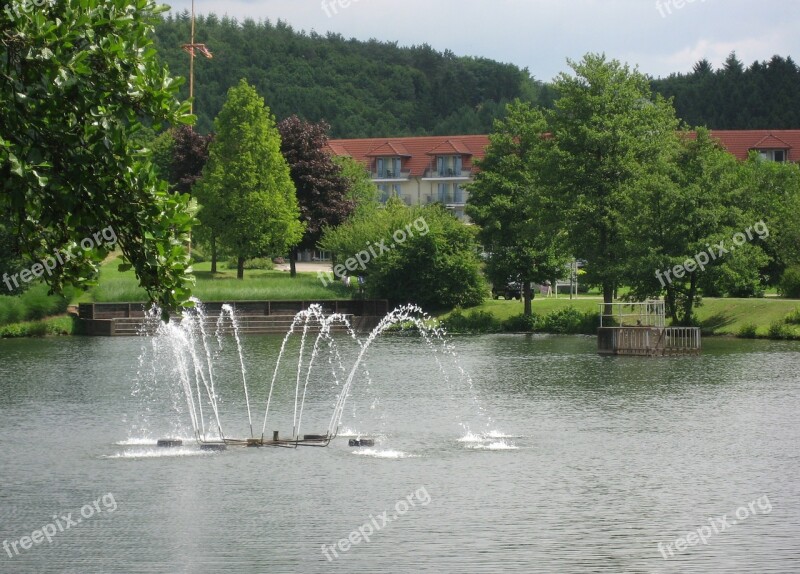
(717, 316)
(728, 316)
(223, 286)
(503, 309)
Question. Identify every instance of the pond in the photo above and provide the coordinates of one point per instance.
(547, 458)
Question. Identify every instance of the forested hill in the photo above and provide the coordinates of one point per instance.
(765, 95)
(363, 89)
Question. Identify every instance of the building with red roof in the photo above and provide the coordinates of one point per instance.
(419, 170)
(430, 169)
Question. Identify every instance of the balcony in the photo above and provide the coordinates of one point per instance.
(389, 176)
(447, 174)
(449, 199)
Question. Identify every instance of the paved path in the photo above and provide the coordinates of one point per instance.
(304, 267)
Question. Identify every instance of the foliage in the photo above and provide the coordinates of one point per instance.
(434, 266)
(247, 194)
(321, 187)
(773, 192)
(34, 304)
(262, 263)
(51, 326)
(570, 321)
(764, 96)
(361, 190)
(521, 323)
(790, 282)
(608, 134)
(793, 318)
(747, 331)
(363, 89)
(512, 205)
(677, 217)
(79, 80)
(564, 321)
(189, 156)
(474, 322)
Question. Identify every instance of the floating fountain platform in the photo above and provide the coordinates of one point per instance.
(361, 442)
(319, 440)
(169, 442)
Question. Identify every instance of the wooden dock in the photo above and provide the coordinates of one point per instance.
(637, 329)
(252, 317)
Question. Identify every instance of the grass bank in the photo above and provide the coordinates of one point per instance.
(769, 317)
(51, 326)
(257, 285)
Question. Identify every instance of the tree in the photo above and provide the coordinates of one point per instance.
(420, 255)
(78, 81)
(189, 157)
(512, 206)
(679, 224)
(321, 187)
(361, 190)
(608, 132)
(247, 194)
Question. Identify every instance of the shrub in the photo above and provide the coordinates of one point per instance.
(12, 310)
(789, 285)
(779, 330)
(261, 263)
(33, 304)
(747, 331)
(521, 323)
(475, 322)
(793, 318)
(570, 321)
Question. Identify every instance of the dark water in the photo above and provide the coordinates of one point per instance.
(609, 458)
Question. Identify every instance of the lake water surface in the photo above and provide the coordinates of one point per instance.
(554, 460)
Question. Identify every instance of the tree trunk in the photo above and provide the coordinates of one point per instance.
(240, 268)
(527, 294)
(213, 254)
(671, 307)
(688, 305)
(293, 262)
(608, 299)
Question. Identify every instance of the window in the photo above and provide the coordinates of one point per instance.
(387, 191)
(388, 167)
(450, 194)
(449, 165)
(773, 154)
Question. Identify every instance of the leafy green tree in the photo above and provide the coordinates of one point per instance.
(79, 79)
(248, 197)
(679, 225)
(774, 196)
(608, 133)
(420, 255)
(321, 187)
(361, 190)
(512, 205)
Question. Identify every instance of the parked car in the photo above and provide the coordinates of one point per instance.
(511, 290)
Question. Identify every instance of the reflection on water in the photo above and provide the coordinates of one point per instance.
(586, 465)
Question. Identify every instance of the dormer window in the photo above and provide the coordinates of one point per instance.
(773, 154)
(389, 167)
(449, 165)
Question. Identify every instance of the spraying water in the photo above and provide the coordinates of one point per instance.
(188, 347)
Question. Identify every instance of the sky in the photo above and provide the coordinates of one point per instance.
(660, 36)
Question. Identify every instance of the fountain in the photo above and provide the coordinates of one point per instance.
(191, 346)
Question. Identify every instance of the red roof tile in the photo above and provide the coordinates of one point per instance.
(740, 142)
(414, 150)
(388, 149)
